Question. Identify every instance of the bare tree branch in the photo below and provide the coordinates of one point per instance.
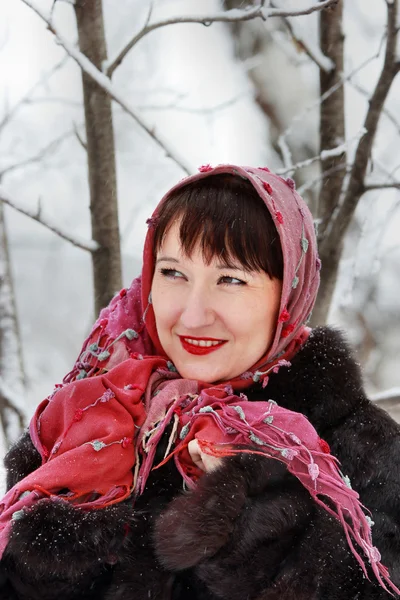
(104, 82)
(388, 398)
(332, 119)
(88, 245)
(314, 53)
(385, 111)
(382, 186)
(299, 118)
(324, 155)
(310, 184)
(79, 137)
(332, 244)
(229, 16)
(39, 156)
(28, 96)
(9, 402)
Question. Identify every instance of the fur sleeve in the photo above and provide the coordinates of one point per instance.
(250, 503)
(21, 459)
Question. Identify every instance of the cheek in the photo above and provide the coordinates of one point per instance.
(165, 306)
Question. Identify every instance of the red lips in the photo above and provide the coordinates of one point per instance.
(200, 350)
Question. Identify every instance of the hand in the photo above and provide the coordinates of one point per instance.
(204, 461)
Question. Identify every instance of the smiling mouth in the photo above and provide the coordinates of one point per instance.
(200, 345)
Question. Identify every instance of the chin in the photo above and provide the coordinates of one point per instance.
(201, 374)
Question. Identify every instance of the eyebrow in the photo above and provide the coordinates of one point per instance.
(219, 266)
(167, 259)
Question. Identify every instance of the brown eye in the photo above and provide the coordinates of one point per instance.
(171, 274)
(228, 280)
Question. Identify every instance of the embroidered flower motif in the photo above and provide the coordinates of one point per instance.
(295, 282)
(279, 217)
(131, 334)
(373, 554)
(78, 415)
(184, 431)
(246, 375)
(256, 439)
(97, 445)
(24, 494)
(347, 481)
(313, 470)
(205, 168)
(108, 395)
(292, 436)
(151, 222)
(324, 446)
(104, 355)
(288, 330)
(122, 293)
(291, 183)
(125, 442)
(267, 187)
(268, 420)
(284, 316)
(18, 514)
(289, 453)
(304, 244)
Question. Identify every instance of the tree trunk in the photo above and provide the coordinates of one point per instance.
(12, 377)
(331, 244)
(101, 157)
(332, 121)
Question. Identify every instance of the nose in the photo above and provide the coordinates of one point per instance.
(197, 310)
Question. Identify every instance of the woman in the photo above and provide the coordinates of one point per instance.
(203, 375)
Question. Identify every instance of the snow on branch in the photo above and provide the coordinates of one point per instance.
(313, 51)
(299, 118)
(36, 215)
(234, 15)
(356, 184)
(104, 82)
(337, 151)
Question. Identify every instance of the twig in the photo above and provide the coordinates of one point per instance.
(8, 401)
(229, 16)
(88, 245)
(310, 184)
(382, 186)
(355, 187)
(337, 151)
(385, 111)
(26, 98)
(343, 79)
(196, 111)
(39, 156)
(390, 397)
(314, 53)
(104, 82)
(79, 137)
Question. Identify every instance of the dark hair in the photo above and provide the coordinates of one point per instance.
(226, 216)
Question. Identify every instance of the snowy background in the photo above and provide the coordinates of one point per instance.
(187, 82)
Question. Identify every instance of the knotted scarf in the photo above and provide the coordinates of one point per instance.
(98, 432)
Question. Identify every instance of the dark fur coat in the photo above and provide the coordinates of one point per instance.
(249, 531)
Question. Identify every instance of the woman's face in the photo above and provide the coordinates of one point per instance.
(213, 322)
